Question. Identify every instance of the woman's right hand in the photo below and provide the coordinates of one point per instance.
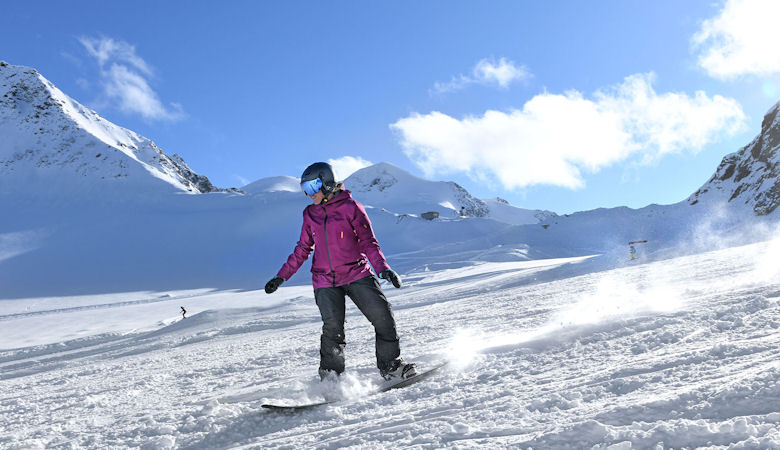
(273, 284)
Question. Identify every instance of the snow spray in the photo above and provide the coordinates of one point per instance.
(616, 296)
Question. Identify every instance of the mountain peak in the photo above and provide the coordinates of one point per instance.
(379, 177)
(750, 176)
(769, 125)
(55, 140)
(396, 189)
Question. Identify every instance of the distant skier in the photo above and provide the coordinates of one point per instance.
(183, 313)
(632, 249)
(337, 228)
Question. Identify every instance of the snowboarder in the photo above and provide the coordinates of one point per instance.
(336, 227)
(632, 249)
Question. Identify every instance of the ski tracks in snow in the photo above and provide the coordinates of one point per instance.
(683, 352)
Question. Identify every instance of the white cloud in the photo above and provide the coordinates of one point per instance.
(487, 72)
(106, 50)
(124, 76)
(133, 94)
(741, 40)
(502, 73)
(347, 165)
(555, 137)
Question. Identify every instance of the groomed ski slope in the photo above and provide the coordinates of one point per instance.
(677, 353)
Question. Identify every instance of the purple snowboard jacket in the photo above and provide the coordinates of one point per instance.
(341, 236)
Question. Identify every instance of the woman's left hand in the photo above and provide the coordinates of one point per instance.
(391, 276)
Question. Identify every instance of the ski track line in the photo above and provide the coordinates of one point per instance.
(349, 404)
(714, 376)
(390, 424)
(97, 306)
(54, 359)
(113, 345)
(680, 365)
(654, 363)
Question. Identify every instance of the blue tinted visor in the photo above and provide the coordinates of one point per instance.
(311, 187)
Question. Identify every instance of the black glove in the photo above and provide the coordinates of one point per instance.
(391, 276)
(273, 285)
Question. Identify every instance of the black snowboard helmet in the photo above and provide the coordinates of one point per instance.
(321, 171)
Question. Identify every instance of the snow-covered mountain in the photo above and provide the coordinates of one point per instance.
(105, 233)
(750, 176)
(389, 187)
(51, 141)
(284, 183)
(743, 194)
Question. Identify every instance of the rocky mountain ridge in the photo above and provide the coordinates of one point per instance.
(750, 176)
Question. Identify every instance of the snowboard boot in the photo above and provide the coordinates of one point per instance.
(400, 371)
(329, 375)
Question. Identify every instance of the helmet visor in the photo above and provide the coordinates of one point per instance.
(311, 187)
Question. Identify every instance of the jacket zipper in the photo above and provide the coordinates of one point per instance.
(327, 249)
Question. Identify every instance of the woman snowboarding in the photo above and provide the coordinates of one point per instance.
(337, 228)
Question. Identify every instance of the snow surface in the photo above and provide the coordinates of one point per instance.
(677, 353)
(555, 338)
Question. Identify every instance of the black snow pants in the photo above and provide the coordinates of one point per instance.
(371, 301)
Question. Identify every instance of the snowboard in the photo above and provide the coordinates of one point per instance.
(395, 384)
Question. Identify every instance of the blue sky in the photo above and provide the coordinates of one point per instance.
(565, 106)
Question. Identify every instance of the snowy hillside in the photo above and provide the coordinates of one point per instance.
(682, 353)
(502, 211)
(750, 177)
(386, 186)
(273, 184)
(53, 142)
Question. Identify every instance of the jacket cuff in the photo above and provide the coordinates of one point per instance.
(381, 268)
